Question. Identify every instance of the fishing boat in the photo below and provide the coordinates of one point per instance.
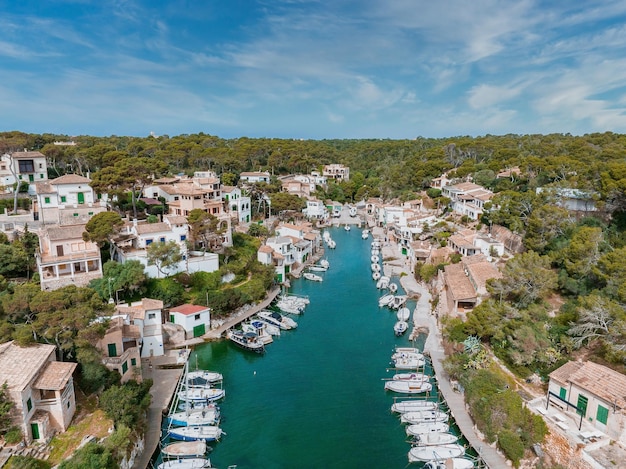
(317, 268)
(325, 263)
(421, 428)
(410, 377)
(435, 438)
(403, 314)
(201, 395)
(182, 449)
(200, 377)
(257, 327)
(423, 416)
(185, 463)
(430, 453)
(385, 300)
(400, 327)
(402, 407)
(246, 340)
(411, 362)
(199, 432)
(409, 387)
(277, 319)
(200, 415)
(397, 355)
(450, 463)
(312, 277)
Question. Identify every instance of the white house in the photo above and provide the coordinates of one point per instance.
(315, 209)
(120, 347)
(238, 205)
(467, 198)
(23, 166)
(254, 177)
(41, 388)
(146, 315)
(194, 319)
(278, 251)
(68, 199)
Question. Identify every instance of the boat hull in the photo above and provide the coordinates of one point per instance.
(429, 453)
(408, 387)
(450, 463)
(185, 463)
(402, 407)
(204, 433)
(184, 449)
(421, 428)
(423, 416)
(436, 438)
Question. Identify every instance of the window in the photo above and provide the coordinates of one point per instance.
(75, 214)
(172, 319)
(29, 404)
(40, 166)
(162, 239)
(63, 199)
(90, 213)
(148, 242)
(183, 237)
(197, 317)
(124, 367)
(46, 200)
(562, 393)
(26, 166)
(133, 362)
(602, 414)
(68, 404)
(41, 177)
(151, 316)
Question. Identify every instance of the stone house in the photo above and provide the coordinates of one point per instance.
(194, 319)
(120, 348)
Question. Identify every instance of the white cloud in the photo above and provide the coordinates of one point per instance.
(483, 96)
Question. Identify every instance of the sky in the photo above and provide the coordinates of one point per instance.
(392, 69)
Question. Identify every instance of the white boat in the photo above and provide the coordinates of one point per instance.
(199, 432)
(375, 267)
(200, 415)
(421, 428)
(258, 328)
(203, 377)
(317, 268)
(375, 275)
(291, 305)
(400, 327)
(184, 448)
(347, 227)
(393, 287)
(385, 300)
(398, 301)
(375, 252)
(383, 282)
(376, 244)
(411, 362)
(429, 453)
(185, 463)
(201, 395)
(406, 350)
(397, 354)
(409, 387)
(435, 438)
(326, 236)
(277, 319)
(423, 416)
(353, 211)
(375, 259)
(332, 244)
(402, 407)
(410, 377)
(403, 314)
(270, 328)
(365, 234)
(265, 327)
(450, 463)
(325, 263)
(312, 277)
(246, 340)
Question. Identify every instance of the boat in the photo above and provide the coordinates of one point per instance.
(185, 463)
(265, 327)
(277, 319)
(429, 453)
(406, 350)
(375, 275)
(412, 362)
(435, 438)
(291, 305)
(365, 234)
(400, 327)
(375, 258)
(376, 244)
(200, 377)
(375, 267)
(246, 340)
(402, 407)
(393, 287)
(201, 395)
(184, 449)
(257, 327)
(383, 282)
(423, 416)
(385, 300)
(450, 463)
(332, 244)
(375, 252)
(397, 355)
(317, 268)
(410, 377)
(201, 415)
(312, 277)
(421, 428)
(409, 387)
(403, 314)
(398, 301)
(325, 263)
(353, 211)
(198, 432)
(347, 227)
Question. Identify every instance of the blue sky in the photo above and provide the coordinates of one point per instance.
(313, 69)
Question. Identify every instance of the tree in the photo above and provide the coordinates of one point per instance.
(544, 225)
(583, 252)
(101, 228)
(126, 404)
(129, 277)
(164, 255)
(6, 409)
(282, 201)
(205, 229)
(90, 456)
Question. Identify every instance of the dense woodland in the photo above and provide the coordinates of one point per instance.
(564, 297)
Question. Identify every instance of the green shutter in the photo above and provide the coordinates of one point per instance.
(602, 415)
(29, 404)
(563, 393)
(172, 319)
(112, 350)
(133, 361)
(46, 200)
(582, 405)
(81, 198)
(34, 429)
(124, 367)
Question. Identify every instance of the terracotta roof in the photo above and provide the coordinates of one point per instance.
(310, 236)
(607, 384)
(458, 283)
(176, 219)
(150, 201)
(44, 188)
(55, 376)
(265, 248)
(253, 173)
(188, 309)
(28, 154)
(146, 228)
(70, 179)
(139, 309)
(228, 189)
(19, 365)
(56, 233)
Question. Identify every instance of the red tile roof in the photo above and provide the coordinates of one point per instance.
(188, 309)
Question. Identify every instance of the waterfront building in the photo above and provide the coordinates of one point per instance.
(280, 252)
(194, 319)
(147, 316)
(316, 210)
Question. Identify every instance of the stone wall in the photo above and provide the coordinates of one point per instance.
(558, 450)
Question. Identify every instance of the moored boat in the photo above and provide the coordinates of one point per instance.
(375, 275)
(199, 432)
(410, 377)
(450, 463)
(347, 227)
(435, 438)
(199, 377)
(423, 416)
(201, 415)
(325, 263)
(277, 319)
(403, 314)
(201, 395)
(385, 300)
(184, 449)
(427, 427)
(185, 463)
(375, 267)
(393, 287)
(375, 258)
(402, 407)
(400, 327)
(246, 340)
(411, 362)
(317, 268)
(409, 387)
(429, 453)
(398, 301)
(312, 277)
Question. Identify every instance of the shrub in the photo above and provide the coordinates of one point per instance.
(13, 436)
(27, 462)
(512, 446)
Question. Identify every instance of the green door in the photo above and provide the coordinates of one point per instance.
(34, 429)
(198, 330)
(563, 393)
(582, 405)
(81, 198)
(31, 177)
(112, 350)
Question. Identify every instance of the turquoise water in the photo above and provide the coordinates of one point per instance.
(316, 398)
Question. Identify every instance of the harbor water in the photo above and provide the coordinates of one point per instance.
(315, 399)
